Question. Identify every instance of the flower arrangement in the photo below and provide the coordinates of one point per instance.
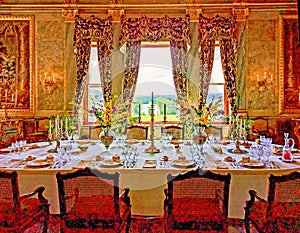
(111, 114)
(103, 110)
(201, 115)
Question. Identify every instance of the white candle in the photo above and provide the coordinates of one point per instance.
(56, 125)
(50, 126)
(16, 99)
(66, 126)
(61, 126)
(12, 97)
(241, 125)
(265, 75)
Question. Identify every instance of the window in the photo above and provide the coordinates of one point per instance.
(94, 89)
(155, 75)
(216, 88)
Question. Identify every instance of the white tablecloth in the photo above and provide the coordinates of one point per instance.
(146, 184)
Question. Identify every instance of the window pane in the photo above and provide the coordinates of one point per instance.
(217, 73)
(94, 75)
(216, 87)
(155, 75)
(94, 86)
(94, 94)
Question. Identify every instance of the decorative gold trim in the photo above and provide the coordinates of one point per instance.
(116, 15)
(167, 6)
(194, 14)
(31, 62)
(70, 10)
(241, 13)
(282, 109)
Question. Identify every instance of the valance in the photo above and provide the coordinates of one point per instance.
(155, 29)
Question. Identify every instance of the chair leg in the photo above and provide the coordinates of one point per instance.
(46, 218)
(247, 224)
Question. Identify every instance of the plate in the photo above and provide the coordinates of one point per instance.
(38, 163)
(162, 159)
(253, 164)
(5, 150)
(150, 163)
(176, 142)
(288, 161)
(110, 163)
(132, 141)
(183, 163)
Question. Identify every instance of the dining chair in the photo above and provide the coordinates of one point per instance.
(21, 212)
(281, 211)
(89, 201)
(174, 130)
(196, 201)
(216, 131)
(137, 132)
(259, 127)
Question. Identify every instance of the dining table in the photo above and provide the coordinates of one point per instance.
(143, 172)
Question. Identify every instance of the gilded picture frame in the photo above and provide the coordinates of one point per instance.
(289, 66)
(16, 63)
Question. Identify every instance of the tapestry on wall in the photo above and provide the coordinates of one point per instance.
(289, 65)
(16, 44)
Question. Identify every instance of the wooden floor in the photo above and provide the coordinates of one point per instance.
(141, 225)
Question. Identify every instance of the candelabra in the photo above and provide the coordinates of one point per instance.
(49, 82)
(152, 148)
(237, 133)
(263, 83)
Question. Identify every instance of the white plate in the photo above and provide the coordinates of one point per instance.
(5, 150)
(150, 164)
(110, 163)
(182, 163)
(38, 163)
(253, 164)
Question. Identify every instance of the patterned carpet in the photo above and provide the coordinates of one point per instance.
(140, 225)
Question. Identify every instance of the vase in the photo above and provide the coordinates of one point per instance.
(107, 137)
(199, 136)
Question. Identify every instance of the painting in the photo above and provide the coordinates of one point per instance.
(16, 63)
(289, 69)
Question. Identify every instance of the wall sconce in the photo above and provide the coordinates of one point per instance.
(49, 82)
(8, 98)
(265, 82)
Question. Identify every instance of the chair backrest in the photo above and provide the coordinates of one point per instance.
(194, 195)
(137, 132)
(9, 190)
(284, 188)
(174, 130)
(216, 131)
(86, 194)
(283, 211)
(260, 126)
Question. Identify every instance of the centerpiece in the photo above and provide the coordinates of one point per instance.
(202, 120)
(103, 111)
